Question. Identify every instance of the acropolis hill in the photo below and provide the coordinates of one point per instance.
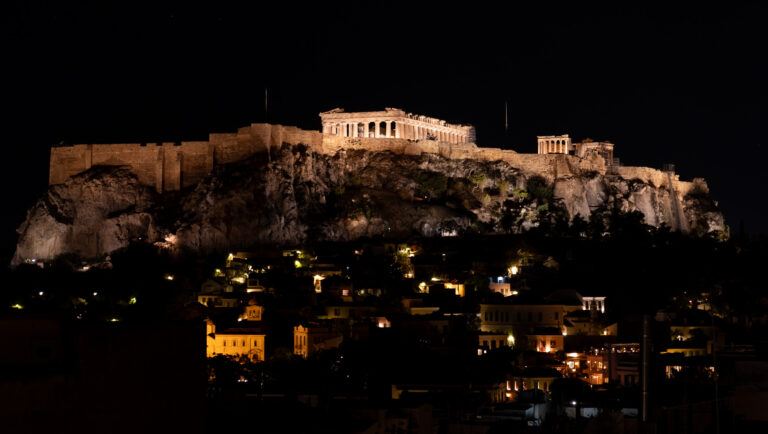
(413, 175)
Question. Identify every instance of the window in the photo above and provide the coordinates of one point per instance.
(243, 342)
(225, 342)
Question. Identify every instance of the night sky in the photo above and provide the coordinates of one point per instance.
(681, 84)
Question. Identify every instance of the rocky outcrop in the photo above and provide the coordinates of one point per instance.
(90, 215)
(297, 195)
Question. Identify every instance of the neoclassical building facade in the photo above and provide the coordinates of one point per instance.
(394, 123)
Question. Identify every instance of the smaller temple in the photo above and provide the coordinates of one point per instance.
(562, 145)
(555, 144)
(396, 124)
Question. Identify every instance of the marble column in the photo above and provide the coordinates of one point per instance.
(388, 130)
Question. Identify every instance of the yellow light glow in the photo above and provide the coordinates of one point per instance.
(132, 300)
(565, 332)
(297, 263)
(515, 292)
(230, 257)
(422, 285)
(169, 277)
(572, 354)
(318, 277)
(512, 270)
(511, 340)
(17, 306)
(435, 279)
(114, 320)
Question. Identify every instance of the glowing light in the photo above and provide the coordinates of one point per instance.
(230, 257)
(169, 277)
(573, 402)
(423, 286)
(17, 306)
(318, 277)
(40, 293)
(297, 263)
(95, 294)
(435, 279)
(572, 354)
(114, 320)
(408, 275)
(132, 300)
(512, 270)
(515, 292)
(565, 332)
(510, 340)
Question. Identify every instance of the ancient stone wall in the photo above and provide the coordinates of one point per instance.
(171, 166)
(165, 166)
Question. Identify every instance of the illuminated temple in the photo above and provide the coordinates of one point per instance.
(394, 123)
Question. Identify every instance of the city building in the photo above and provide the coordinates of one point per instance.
(313, 338)
(236, 342)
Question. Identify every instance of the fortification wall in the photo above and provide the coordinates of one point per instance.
(655, 177)
(171, 166)
(165, 166)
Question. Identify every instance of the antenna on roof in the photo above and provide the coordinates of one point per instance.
(506, 116)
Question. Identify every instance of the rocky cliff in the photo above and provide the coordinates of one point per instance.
(297, 195)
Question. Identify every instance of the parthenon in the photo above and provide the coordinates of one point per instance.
(394, 123)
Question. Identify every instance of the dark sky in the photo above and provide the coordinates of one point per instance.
(680, 84)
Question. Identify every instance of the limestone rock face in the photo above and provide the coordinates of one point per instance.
(295, 195)
(90, 215)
